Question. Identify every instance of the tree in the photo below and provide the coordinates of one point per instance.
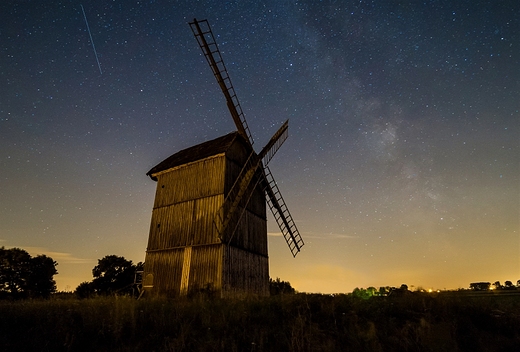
(85, 290)
(112, 275)
(22, 276)
(371, 291)
(14, 272)
(41, 282)
(368, 293)
(480, 286)
(402, 291)
(508, 285)
(497, 285)
(384, 290)
(278, 287)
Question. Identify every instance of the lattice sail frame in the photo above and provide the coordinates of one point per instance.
(241, 189)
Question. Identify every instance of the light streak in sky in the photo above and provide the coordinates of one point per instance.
(91, 40)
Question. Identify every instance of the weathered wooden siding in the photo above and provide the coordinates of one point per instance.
(184, 224)
(167, 229)
(257, 201)
(186, 200)
(245, 273)
(196, 180)
(250, 234)
(236, 157)
(206, 268)
(257, 204)
(166, 267)
(186, 269)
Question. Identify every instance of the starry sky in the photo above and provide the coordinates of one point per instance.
(402, 163)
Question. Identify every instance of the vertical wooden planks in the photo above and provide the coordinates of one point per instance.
(184, 252)
(186, 265)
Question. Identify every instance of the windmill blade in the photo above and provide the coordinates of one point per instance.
(274, 197)
(202, 32)
(224, 216)
(241, 185)
(281, 214)
(274, 143)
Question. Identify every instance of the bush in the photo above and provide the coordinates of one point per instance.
(278, 287)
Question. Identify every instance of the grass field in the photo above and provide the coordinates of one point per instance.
(301, 322)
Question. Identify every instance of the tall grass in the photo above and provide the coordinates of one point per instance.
(299, 322)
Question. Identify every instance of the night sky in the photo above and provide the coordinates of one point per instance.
(402, 163)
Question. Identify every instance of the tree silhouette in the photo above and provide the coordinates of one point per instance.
(112, 275)
(359, 293)
(41, 283)
(22, 276)
(508, 285)
(384, 290)
(85, 290)
(278, 287)
(372, 291)
(480, 286)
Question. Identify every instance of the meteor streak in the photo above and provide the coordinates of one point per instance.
(91, 40)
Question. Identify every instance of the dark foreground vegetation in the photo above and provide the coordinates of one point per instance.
(293, 322)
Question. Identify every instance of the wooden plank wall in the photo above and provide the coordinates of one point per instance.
(251, 234)
(206, 268)
(186, 199)
(201, 269)
(245, 273)
(195, 180)
(166, 267)
(236, 157)
(184, 224)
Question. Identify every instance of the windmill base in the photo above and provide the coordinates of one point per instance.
(216, 269)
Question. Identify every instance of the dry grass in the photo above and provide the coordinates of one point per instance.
(299, 322)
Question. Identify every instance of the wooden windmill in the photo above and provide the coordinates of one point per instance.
(209, 224)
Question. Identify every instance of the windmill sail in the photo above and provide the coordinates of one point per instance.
(241, 185)
(209, 47)
(281, 214)
(274, 143)
(237, 192)
(241, 191)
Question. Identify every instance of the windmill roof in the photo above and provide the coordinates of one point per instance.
(200, 151)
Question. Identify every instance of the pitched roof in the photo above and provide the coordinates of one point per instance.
(197, 152)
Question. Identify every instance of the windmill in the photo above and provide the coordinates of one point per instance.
(208, 225)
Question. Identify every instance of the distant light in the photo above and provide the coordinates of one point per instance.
(430, 290)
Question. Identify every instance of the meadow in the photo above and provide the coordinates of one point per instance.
(297, 322)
